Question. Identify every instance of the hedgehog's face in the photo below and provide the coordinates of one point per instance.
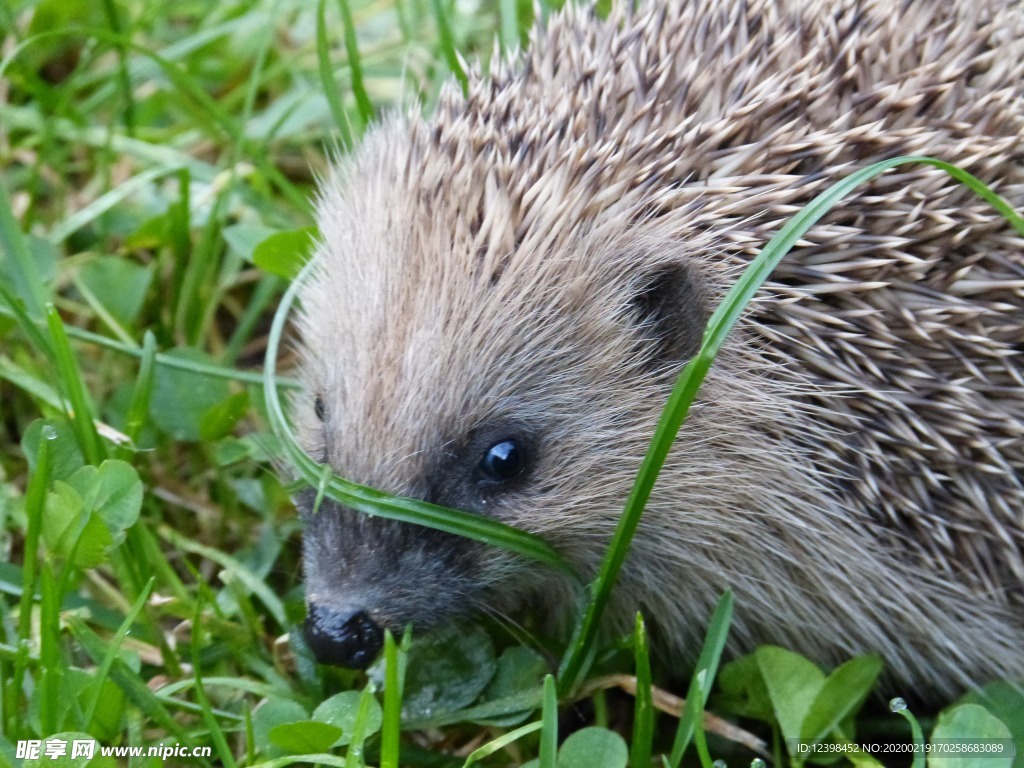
(506, 373)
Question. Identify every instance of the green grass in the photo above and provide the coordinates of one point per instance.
(156, 163)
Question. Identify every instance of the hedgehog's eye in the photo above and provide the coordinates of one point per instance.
(503, 461)
(318, 407)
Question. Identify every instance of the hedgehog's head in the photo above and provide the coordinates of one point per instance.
(475, 338)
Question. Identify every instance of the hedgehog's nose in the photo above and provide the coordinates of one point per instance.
(346, 639)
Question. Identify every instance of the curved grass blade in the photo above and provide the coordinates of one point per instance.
(500, 743)
(684, 392)
(899, 706)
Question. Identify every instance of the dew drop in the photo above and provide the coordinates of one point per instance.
(720, 764)
(757, 762)
(49, 432)
(898, 704)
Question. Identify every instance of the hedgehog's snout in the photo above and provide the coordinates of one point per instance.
(343, 638)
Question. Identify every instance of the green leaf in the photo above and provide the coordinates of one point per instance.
(63, 510)
(65, 454)
(593, 748)
(305, 736)
(231, 450)
(966, 737)
(181, 397)
(446, 670)
(285, 253)
(221, 418)
(742, 691)
(840, 697)
(519, 669)
(63, 531)
(793, 684)
(108, 720)
(243, 239)
(119, 284)
(113, 491)
(1006, 701)
(341, 711)
(271, 713)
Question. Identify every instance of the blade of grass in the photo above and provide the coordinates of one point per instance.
(549, 725)
(94, 137)
(328, 83)
(196, 280)
(695, 701)
(106, 202)
(35, 500)
(684, 392)
(112, 648)
(28, 284)
(124, 81)
(643, 711)
(212, 726)
(138, 407)
(135, 689)
(101, 312)
(447, 43)
(707, 664)
(252, 581)
(206, 110)
(205, 369)
(500, 743)
(29, 383)
(29, 326)
(75, 391)
(354, 756)
(255, 311)
(50, 667)
(393, 685)
(899, 706)
(355, 64)
(320, 759)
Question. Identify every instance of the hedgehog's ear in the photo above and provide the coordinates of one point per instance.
(670, 307)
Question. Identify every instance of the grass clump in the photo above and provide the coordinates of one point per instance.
(156, 169)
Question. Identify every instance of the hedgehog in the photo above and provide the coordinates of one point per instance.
(503, 294)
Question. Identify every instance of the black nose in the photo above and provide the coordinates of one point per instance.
(344, 639)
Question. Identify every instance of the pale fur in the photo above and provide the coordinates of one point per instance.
(853, 466)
